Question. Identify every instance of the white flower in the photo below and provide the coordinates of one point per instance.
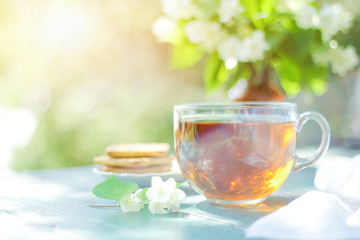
(205, 33)
(176, 197)
(306, 17)
(250, 49)
(195, 31)
(158, 208)
(174, 8)
(193, 11)
(160, 191)
(229, 48)
(253, 47)
(163, 28)
(164, 196)
(320, 57)
(229, 9)
(184, 9)
(333, 18)
(131, 203)
(291, 5)
(343, 60)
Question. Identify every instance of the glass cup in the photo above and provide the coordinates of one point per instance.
(240, 153)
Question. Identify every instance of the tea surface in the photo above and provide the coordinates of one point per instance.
(235, 161)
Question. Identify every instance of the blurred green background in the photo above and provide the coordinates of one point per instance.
(76, 76)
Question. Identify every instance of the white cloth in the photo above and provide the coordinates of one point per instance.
(341, 179)
(332, 213)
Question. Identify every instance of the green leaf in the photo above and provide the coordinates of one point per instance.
(185, 55)
(315, 78)
(289, 73)
(233, 77)
(267, 6)
(275, 40)
(251, 7)
(252, 10)
(241, 71)
(215, 73)
(114, 189)
(178, 37)
(209, 7)
(180, 184)
(142, 194)
(318, 85)
(288, 23)
(210, 71)
(302, 40)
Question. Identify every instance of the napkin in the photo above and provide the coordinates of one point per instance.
(332, 213)
(342, 179)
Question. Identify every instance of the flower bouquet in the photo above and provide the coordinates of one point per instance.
(264, 45)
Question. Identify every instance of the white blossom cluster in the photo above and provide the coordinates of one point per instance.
(162, 197)
(207, 34)
(340, 59)
(249, 49)
(235, 40)
(329, 19)
(211, 35)
(163, 28)
(228, 10)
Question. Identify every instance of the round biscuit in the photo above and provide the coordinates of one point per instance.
(137, 150)
(132, 162)
(151, 169)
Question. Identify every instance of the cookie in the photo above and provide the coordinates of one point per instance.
(138, 150)
(132, 162)
(151, 169)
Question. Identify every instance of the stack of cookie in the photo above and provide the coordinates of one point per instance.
(136, 158)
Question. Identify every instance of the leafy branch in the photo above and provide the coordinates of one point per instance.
(251, 39)
(162, 197)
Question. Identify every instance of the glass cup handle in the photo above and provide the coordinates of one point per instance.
(325, 139)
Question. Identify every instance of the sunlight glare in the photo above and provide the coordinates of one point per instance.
(67, 28)
(17, 127)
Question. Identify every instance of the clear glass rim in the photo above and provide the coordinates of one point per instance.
(234, 105)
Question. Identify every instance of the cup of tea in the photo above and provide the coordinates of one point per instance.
(241, 152)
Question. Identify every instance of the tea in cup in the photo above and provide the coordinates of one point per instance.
(240, 153)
